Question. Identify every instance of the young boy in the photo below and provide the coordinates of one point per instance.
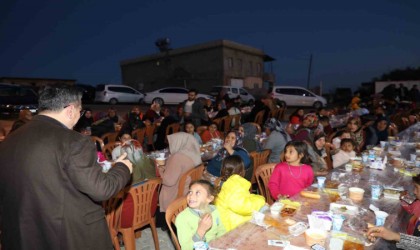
(345, 153)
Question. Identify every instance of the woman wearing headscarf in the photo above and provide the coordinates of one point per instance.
(357, 133)
(231, 146)
(276, 139)
(84, 121)
(316, 150)
(380, 131)
(184, 155)
(248, 132)
(305, 131)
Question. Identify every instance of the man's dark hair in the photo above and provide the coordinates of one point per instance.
(193, 90)
(55, 98)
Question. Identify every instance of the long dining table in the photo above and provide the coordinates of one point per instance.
(253, 236)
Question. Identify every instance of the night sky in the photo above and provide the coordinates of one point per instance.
(351, 41)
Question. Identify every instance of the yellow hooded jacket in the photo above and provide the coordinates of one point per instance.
(235, 203)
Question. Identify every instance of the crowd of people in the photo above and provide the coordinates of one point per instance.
(303, 147)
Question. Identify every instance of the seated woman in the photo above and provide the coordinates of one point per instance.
(380, 131)
(234, 201)
(231, 146)
(185, 155)
(354, 126)
(317, 153)
(276, 140)
(190, 129)
(305, 130)
(84, 121)
(296, 117)
(211, 133)
(143, 168)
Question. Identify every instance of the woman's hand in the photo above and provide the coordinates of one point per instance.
(204, 225)
(382, 232)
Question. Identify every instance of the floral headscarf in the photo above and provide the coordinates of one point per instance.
(275, 125)
(312, 118)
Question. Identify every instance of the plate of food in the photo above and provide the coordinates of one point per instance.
(344, 209)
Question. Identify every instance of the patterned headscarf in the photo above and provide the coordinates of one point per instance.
(312, 118)
(275, 125)
(238, 144)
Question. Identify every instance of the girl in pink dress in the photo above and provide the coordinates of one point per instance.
(294, 174)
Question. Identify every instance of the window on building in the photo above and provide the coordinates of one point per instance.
(230, 62)
(258, 68)
(251, 70)
(239, 64)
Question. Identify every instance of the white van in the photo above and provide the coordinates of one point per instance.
(297, 96)
(233, 92)
(114, 94)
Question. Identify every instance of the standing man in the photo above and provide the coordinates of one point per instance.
(51, 184)
(193, 109)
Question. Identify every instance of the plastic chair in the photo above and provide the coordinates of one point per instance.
(109, 137)
(328, 158)
(236, 120)
(112, 209)
(171, 129)
(191, 175)
(139, 135)
(98, 142)
(142, 198)
(223, 123)
(150, 131)
(107, 150)
(259, 117)
(263, 175)
(176, 207)
(259, 158)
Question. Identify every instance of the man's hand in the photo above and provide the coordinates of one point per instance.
(125, 161)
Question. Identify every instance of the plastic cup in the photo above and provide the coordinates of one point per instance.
(391, 138)
(321, 181)
(376, 191)
(276, 208)
(356, 194)
(315, 236)
(337, 221)
(349, 167)
(161, 155)
(413, 157)
(160, 161)
(383, 144)
(380, 218)
(365, 157)
(343, 190)
(106, 166)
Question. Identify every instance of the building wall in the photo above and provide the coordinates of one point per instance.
(199, 70)
(199, 67)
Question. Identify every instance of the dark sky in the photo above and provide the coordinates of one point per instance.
(351, 41)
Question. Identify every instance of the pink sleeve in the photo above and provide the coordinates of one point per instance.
(274, 182)
(310, 176)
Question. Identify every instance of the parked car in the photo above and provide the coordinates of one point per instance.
(114, 94)
(233, 92)
(297, 96)
(171, 95)
(14, 98)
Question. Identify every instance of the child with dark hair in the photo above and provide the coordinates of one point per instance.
(234, 202)
(293, 175)
(200, 221)
(346, 152)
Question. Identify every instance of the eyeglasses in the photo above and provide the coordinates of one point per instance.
(82, 111)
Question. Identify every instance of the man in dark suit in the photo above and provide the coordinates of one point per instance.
(51, 184)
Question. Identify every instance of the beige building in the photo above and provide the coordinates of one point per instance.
(200, 66)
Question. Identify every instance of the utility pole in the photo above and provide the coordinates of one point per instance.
(309, 72)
